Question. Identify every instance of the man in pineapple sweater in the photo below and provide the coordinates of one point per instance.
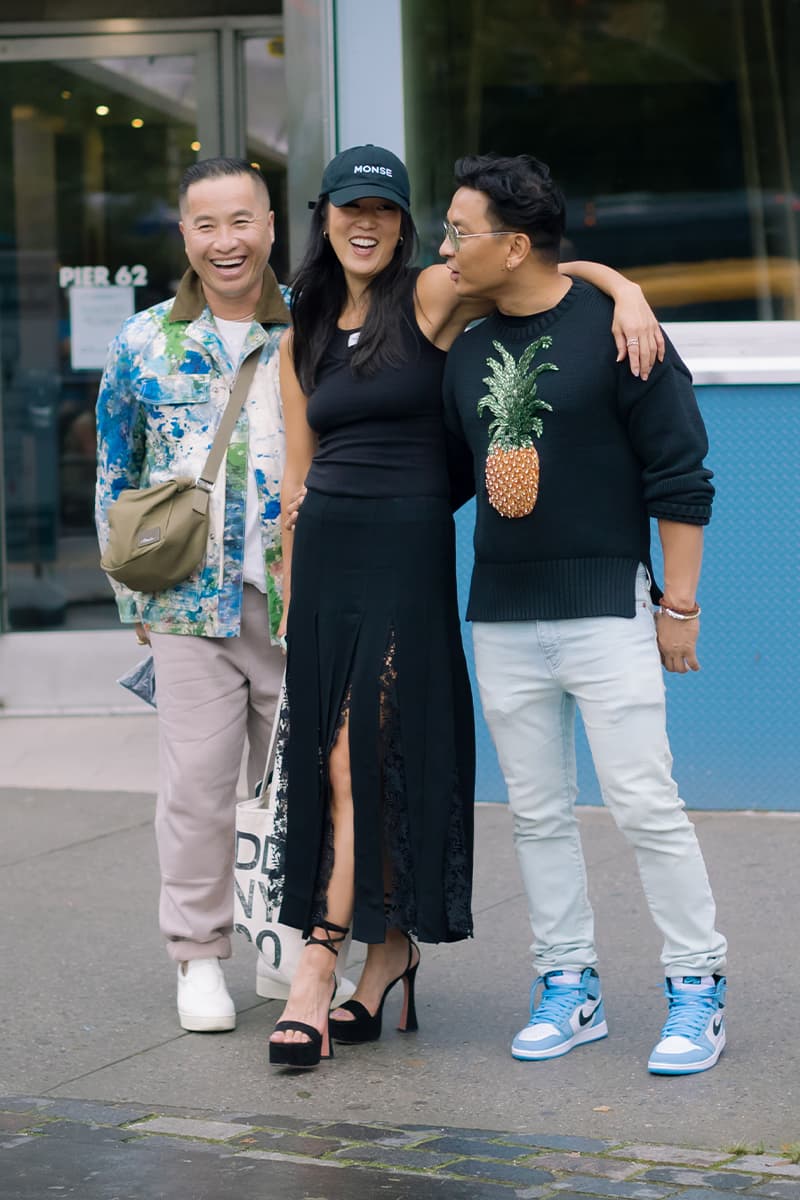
(572, 457)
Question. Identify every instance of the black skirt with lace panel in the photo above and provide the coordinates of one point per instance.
(374, 635)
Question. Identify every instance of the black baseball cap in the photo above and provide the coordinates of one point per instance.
(365, 171)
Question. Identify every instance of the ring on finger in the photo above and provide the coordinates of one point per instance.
(632, 342)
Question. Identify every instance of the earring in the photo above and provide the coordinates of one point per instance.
(400, 240)
(325, 234)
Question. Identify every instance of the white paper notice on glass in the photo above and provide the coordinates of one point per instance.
(95, 316)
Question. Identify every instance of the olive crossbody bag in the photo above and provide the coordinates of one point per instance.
(158, 534)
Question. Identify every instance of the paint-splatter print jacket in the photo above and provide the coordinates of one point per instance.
(164, 389)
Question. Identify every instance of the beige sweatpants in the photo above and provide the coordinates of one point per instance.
(210, 693)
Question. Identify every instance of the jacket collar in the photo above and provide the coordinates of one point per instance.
(190, 302)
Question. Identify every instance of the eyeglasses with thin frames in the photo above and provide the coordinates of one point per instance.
(455, 238)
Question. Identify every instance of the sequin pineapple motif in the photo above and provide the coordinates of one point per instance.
(512, 464)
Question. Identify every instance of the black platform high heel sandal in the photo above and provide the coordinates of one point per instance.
(367, 1028)
(319, 1045)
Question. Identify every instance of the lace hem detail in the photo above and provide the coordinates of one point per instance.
(278, 791)
(399, 898)
(458, 872)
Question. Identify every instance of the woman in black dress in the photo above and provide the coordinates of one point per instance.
(378, 740)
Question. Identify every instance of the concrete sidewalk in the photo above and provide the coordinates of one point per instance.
(88, 994)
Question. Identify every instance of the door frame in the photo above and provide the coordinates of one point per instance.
(218, 45)
(49, 46)
(220, 103)
(202, 46)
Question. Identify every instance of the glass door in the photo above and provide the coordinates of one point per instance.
(94, 133)
(264, 132)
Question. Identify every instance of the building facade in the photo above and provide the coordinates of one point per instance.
(674, 128)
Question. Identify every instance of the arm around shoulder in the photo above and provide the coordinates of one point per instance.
(441, 313)
(635, 330)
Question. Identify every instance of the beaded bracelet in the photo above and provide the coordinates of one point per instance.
(681, 616)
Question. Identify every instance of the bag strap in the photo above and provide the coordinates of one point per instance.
(222, 437)
(273, 737)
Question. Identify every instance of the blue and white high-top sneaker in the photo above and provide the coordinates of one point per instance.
(570, 1012)
(693, 1036)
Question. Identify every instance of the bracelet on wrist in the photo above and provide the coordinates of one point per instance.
(678, 615)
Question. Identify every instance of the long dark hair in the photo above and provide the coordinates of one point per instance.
(319, 294)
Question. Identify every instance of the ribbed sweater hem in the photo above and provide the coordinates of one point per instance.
(559, 589)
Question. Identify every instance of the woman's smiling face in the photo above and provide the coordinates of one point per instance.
(364, 235)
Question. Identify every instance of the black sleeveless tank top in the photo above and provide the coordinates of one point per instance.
(383, 434)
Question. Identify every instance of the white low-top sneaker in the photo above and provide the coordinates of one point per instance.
(204, 1002)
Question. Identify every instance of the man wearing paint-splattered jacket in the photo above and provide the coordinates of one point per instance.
(218, 661)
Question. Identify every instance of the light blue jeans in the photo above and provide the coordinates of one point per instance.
(531, 675)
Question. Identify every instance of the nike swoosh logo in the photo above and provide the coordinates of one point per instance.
(585, 1018)
(716, 1025)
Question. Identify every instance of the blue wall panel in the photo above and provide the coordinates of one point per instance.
(734, 727)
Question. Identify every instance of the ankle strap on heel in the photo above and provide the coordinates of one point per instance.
(330, 943)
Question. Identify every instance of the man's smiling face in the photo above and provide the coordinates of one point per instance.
(228, 232)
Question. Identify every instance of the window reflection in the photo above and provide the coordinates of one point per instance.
(95, 150)
(267, 132)
(674, 128)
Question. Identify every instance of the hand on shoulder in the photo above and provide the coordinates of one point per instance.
(441, 313)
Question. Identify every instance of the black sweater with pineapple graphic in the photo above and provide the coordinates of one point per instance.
(613, 452)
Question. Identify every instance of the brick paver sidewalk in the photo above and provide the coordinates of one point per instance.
(108, 1151)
